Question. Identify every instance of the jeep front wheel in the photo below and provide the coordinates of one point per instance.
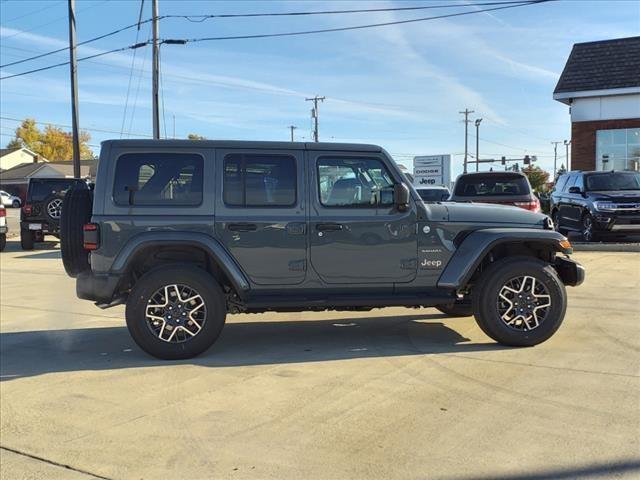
(175, 312)
(520, 301)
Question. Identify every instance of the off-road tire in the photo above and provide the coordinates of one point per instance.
(462, 308)
(3, 241)
(76, 211)
(45, 206)
(156, 279)
(26, 239)
(485, 300)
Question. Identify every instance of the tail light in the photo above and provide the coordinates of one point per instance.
(27, 209)
(533, 205)
(3, 212)
(91, 236)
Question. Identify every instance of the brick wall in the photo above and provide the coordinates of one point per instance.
(583, 140)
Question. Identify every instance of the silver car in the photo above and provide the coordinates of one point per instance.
(9, 200)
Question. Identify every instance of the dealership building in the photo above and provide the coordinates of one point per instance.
(601, 84)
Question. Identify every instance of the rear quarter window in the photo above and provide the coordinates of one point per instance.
(161, 179)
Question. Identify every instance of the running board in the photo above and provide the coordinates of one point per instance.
(275, 302)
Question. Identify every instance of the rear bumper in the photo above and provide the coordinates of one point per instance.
(99, 288)
(40, 225)
(571, 272)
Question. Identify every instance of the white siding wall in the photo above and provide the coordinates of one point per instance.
(12, 159)
(605, 108)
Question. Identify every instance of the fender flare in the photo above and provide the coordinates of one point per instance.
(158, 239)
(479, 243)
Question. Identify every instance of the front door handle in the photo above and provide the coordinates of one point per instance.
(328, 227)
(242, 227)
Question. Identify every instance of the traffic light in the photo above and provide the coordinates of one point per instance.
(527, 160)
(504, 160)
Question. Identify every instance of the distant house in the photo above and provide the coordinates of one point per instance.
(16, 180)
(601, 84)
(12, 157)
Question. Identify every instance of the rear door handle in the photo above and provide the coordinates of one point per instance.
(242, 227)
(328, 227)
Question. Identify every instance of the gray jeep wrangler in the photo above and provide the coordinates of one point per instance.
(186, 231)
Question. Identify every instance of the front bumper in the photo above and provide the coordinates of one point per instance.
(99, 288)
(617, 223)
(571, 272)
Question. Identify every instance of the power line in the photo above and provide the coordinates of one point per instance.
(33, 12)
(206, 17)
(94, 39)
(133, 62)
(356, 27)
(130, 47)
(202, 18)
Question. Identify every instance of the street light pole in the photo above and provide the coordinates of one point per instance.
(478, 122)
(566, 144)
(466, 138)
(292, 128)
(555, 157)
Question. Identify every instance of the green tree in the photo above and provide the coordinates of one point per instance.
(195, 136)
(538, 178)
(53, 143)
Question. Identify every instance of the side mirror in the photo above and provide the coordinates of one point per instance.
(401, 196)
(574, 190)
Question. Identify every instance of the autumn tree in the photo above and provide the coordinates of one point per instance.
(53, 143)
(538, 178)
(195, 136)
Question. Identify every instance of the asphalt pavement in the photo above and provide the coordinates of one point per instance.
(391, 393)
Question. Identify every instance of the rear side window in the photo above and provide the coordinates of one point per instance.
(491, 185)
(41, 189)
(259, 180)
(168, 179)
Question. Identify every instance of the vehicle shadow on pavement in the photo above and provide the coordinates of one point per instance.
(32, 353)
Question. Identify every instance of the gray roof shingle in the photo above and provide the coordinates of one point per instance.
(601, 65)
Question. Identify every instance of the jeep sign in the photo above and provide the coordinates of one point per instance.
(432, 171)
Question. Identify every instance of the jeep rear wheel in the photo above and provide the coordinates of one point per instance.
(26, 239)
(520, 301)
(175, 312)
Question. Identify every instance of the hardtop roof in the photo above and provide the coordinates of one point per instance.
(265, 145)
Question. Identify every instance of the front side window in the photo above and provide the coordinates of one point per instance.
(159, 179)
(259, 180)
(354, 182)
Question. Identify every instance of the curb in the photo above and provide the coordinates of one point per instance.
(605, 247)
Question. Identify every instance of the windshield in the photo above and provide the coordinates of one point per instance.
(613, 181)
(433, 194)
(489, 186)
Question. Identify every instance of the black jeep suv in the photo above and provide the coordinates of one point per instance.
(40, 214)
(597, 204)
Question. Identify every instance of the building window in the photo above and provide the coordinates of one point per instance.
(618, 149)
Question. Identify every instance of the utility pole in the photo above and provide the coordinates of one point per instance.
(466, 125)
(292, 128)
(155, 100)
(73, 64)
(314, 114)
(566, 144)
(555, 157)
(478, 121)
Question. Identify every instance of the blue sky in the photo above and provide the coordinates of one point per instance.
(398, 86)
